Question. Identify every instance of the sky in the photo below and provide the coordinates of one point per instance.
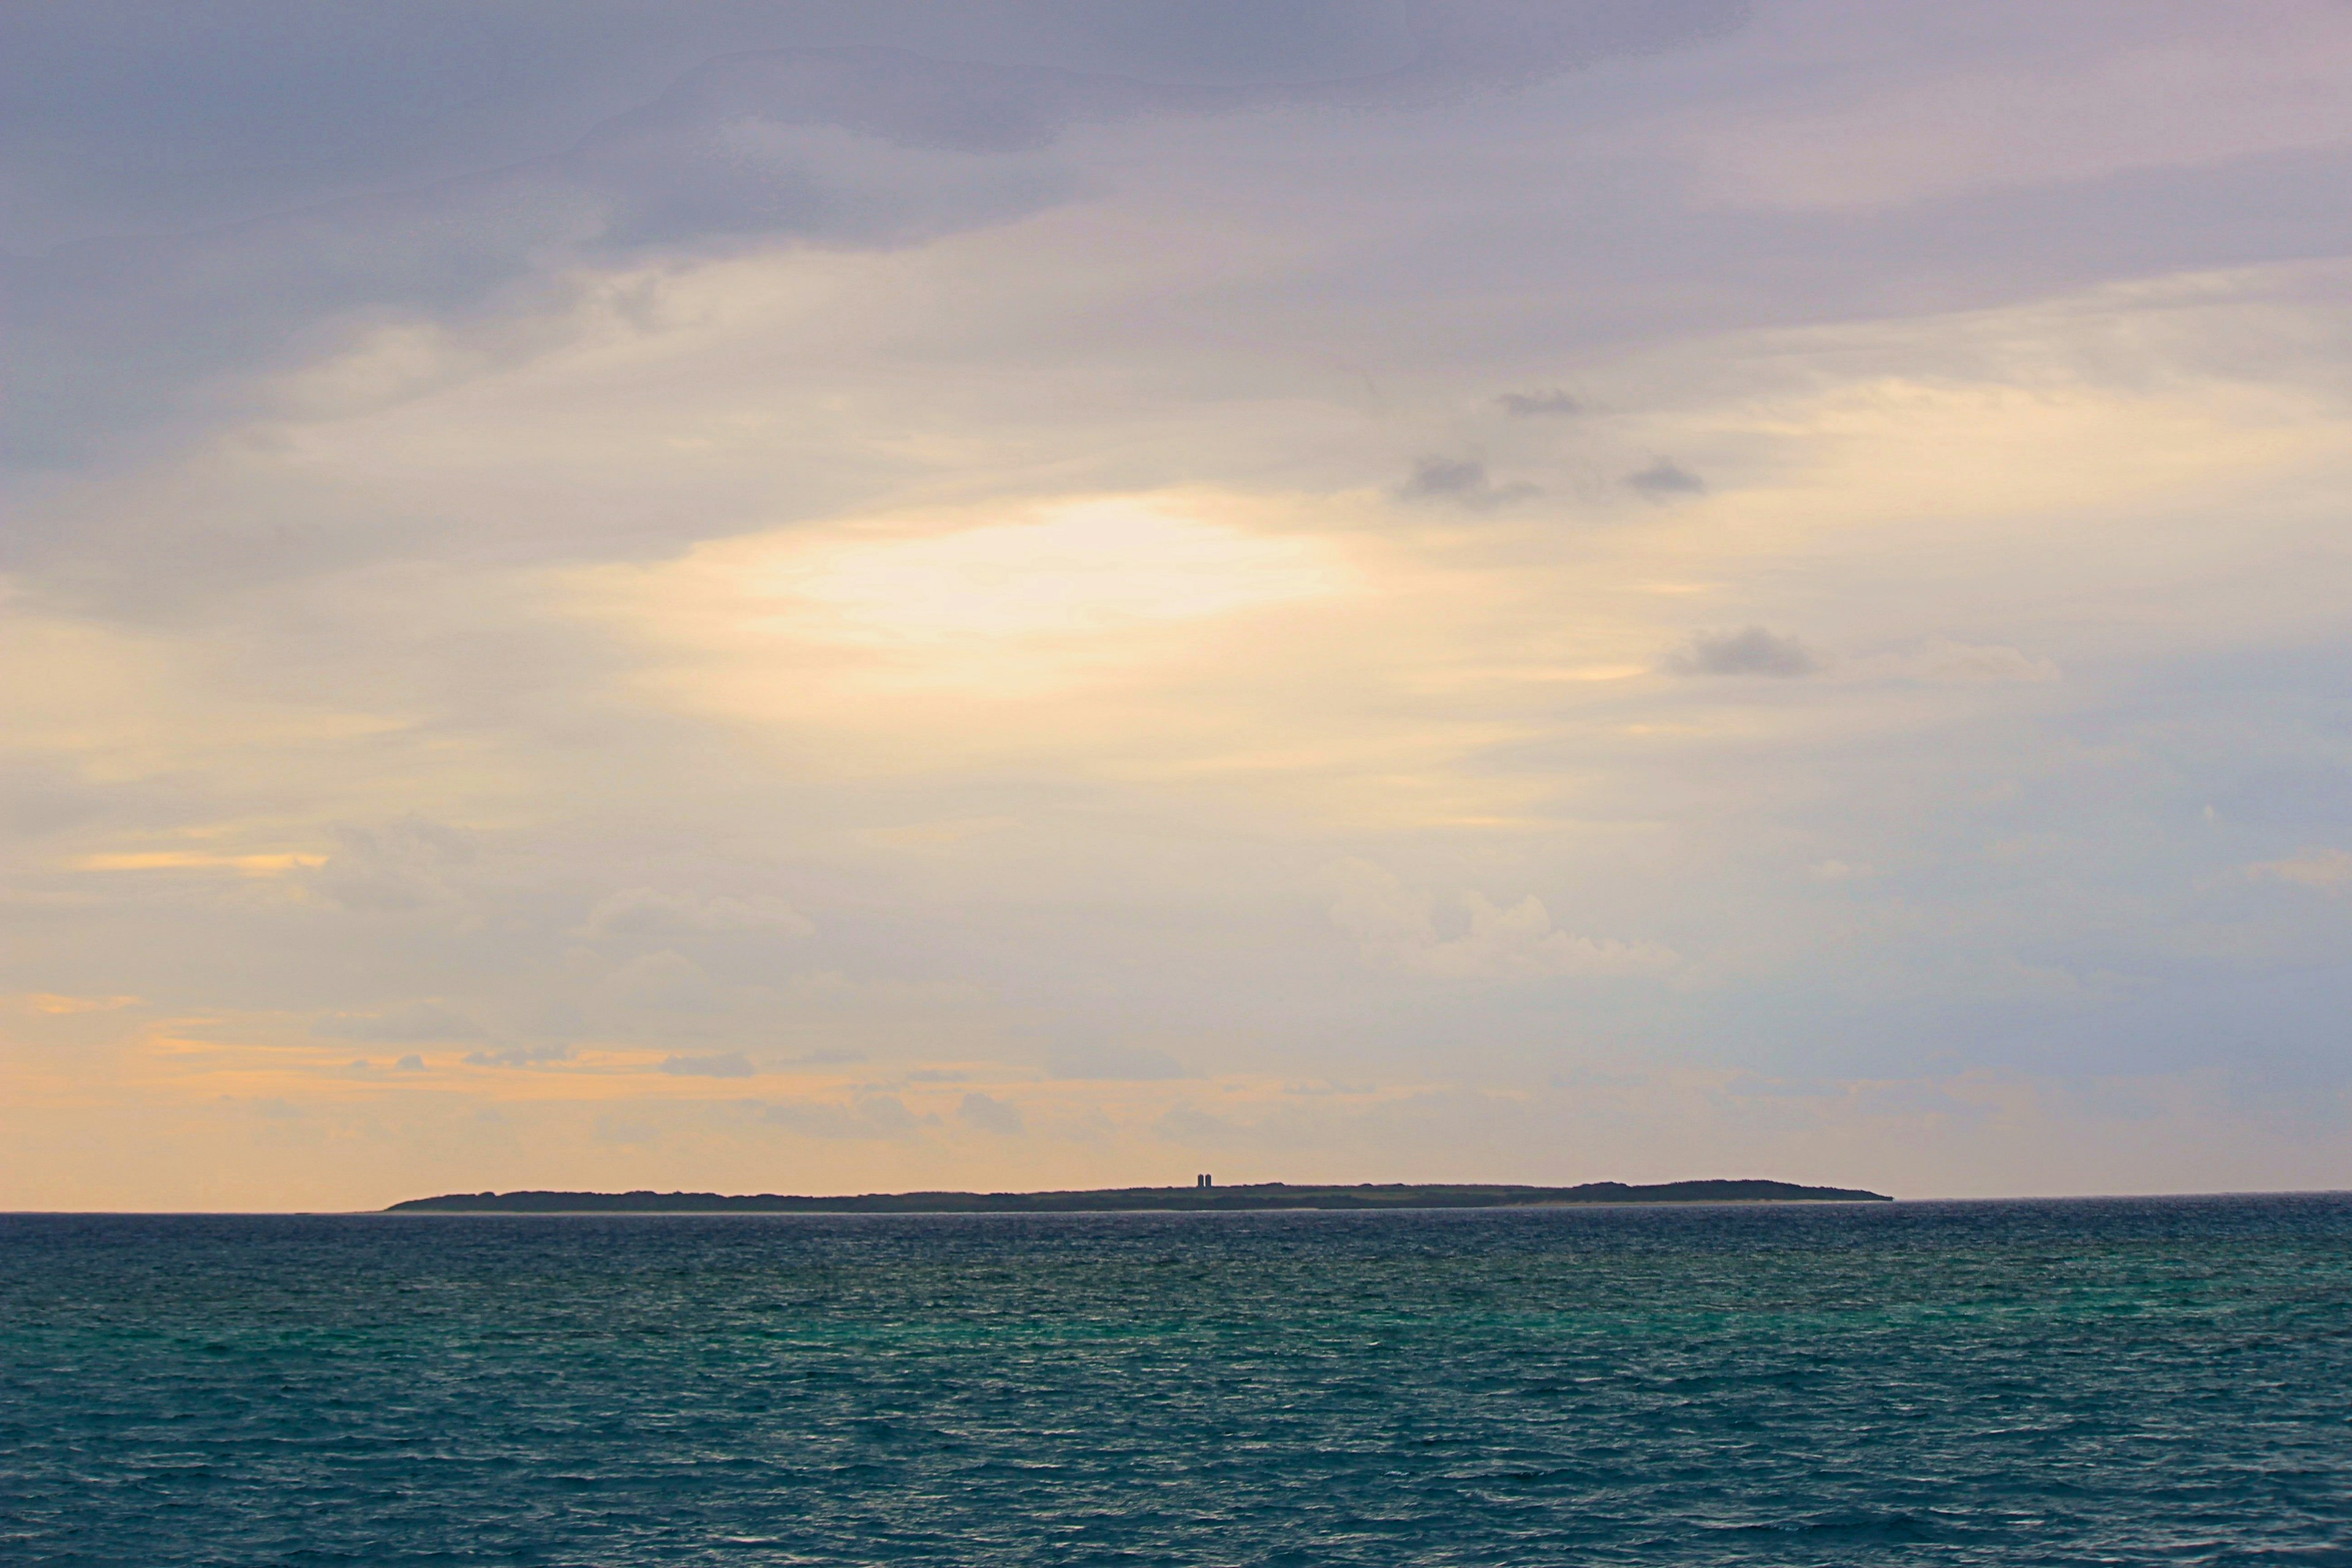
(1009, 593)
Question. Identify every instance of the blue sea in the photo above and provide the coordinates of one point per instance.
(2088, 1382)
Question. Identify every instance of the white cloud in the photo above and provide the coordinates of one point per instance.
(1396, 928)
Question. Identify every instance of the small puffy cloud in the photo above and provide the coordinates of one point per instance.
(991, 1114)
(717, 1064)
(410, 1064)
(2323, 868)
(1666, 478)
(1521, 941)
(644, 911)
(1460, 481)
(410, 1021)
(1397, 930)
(1751, 650)
(1131, 1063)
(1550, 403)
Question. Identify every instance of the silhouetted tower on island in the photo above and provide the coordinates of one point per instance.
(1203, 1181)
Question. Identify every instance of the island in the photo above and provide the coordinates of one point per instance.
(1253, 1197)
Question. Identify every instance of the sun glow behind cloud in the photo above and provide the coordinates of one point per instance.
(1082, 572)
(1106, 631)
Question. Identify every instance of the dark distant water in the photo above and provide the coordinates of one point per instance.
(2138, 1382)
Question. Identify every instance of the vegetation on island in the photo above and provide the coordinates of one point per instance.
(1261, 1196)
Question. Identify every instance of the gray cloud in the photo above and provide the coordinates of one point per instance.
(1460, 481)
(1664, 479)
(1751, 650)
(203, 191)
(147, 112)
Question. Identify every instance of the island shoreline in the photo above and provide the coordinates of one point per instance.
(1269, 1197)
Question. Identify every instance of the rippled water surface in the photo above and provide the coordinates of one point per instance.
(2089, 1381)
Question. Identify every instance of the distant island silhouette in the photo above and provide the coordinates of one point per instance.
(1260, 1196)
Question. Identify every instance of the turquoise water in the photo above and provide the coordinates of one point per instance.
(2130, 1381)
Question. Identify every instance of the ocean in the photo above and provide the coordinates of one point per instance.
(2136, 1381)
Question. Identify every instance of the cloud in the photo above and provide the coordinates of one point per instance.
(2323, 869)
(1396, 929)
(246, 212)
(643, 911)
(409, 863)
(876, 1116)
(758, 339)
(1946, 663)
(723, 1064)
(1664, 479)
(1550, 403)
(410, 1021)
(663, 982)
(539, 1055)
(1962, 662)
(1132, 1063)
(991, 1114)
(1751, 650)
(55, 1006)
(1460, 481)
(1520, 941)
